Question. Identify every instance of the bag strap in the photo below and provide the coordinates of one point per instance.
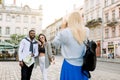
(86, 42)
(86, 73)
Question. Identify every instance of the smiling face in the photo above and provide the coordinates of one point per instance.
(42, 38)
(32, 34)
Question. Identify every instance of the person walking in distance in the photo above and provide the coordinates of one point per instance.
(71, 39)
(28, 49)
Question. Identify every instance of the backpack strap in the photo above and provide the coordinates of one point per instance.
(86, 43)
(86, 73)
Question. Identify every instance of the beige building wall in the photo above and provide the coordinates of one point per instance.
(93, 10)
(19, 20)
(93, 20)
(52, 29)
(107, 33)
(112, 27)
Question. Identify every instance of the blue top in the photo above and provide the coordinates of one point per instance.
(71, 50)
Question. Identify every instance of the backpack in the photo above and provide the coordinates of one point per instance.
(89, 59)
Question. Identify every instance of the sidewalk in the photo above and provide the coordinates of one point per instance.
(115, 60)
(104, 59)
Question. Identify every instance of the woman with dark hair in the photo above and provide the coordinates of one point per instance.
(45, 54)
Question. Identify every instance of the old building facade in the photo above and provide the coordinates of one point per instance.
(50, 32)
(103, 19)
(18, 20)
(111, 42)
(93, 20)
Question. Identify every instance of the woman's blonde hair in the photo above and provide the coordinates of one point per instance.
(75, 23)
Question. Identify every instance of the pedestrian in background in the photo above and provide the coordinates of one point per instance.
(28, 49)
(45, 55)
(73, 49)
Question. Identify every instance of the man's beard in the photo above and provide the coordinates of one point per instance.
(32, 37)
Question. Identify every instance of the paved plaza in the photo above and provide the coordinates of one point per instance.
(11, 71)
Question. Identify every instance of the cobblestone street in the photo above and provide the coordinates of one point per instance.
(11, 71)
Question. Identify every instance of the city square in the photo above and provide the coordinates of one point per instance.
(104, 71)
(100, 17)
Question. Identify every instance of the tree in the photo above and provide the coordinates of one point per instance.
(15, 38)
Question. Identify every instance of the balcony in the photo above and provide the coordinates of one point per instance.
(112, 23)
(94, 23)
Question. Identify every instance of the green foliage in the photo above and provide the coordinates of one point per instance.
(15, 38)
(36, 36)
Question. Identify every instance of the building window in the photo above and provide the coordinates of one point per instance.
(113, 31)
(97, 1)
(7, 30)
(119, 12)
(0, 17)
(113, 15)
(91, 16)
(17, 30)
(87, 5)
(97, 13)
(112, 1)
(0, 30)
(25, 31)
(106, 3)
(119, 30)
(40, 19)
(106, 17)
(32, 28)
(106, 33)
(18, 18)
(8, 17)
(92, 3)
(33, 19)
(26, 19)
(86, 18)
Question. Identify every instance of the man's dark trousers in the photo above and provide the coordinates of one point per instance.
(26, 72)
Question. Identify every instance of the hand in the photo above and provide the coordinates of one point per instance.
(39, 42)
(64, 24)
(32, 55)
(21, 63)
(52, 61)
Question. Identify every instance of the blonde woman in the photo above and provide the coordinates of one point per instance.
(72, 47)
